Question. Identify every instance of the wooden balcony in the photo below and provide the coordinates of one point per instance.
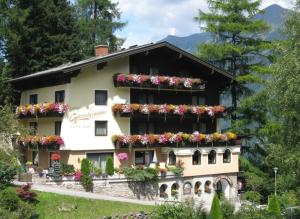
(168, 111)
(176, 140)
(158, 82)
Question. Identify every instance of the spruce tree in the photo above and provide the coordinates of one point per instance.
(109, 169)
(40, 34)
(273, 206)
(215, 210)
(98, 21)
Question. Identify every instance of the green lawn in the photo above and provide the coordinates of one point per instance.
(61, 206)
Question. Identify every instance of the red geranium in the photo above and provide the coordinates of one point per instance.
(55, 156)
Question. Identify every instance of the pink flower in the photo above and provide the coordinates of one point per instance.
(173, 81)
(209, 138)
(144, 139)
(145, 109)
(179, 110)
(121, 78)
(137, 79)
(32, 110)
(126, 108)
(162, 109)
(60, 141)
(122, 156)
(187, 83)
(155, 80)
(163, 139)
(210, 111)
(77, 175)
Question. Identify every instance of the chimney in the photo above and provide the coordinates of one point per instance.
(101, 50)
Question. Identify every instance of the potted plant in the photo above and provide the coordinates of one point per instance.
(163, 172)
(98, 172)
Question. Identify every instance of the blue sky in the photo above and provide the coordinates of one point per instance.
(152, 20)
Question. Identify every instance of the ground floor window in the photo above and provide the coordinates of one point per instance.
(99, 159)
(143, 157)
(172, 158)
(35, 157)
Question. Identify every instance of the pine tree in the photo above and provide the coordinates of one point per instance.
(39, 34)
(273, 206)
(109, 169)
(215, 210)
(98, 21)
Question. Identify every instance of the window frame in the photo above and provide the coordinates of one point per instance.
(169, 158)
(58, 93)
(215, 157)
(55, 126)
(144, 158)
(199, 158)
(104, 122)
(35, 127)
(230, 153)
(95, 94)
(35, 96)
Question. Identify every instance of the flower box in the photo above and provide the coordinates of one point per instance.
(51, 141)
(127, 110)
(157, 82)
(175, 140)
(42, 109)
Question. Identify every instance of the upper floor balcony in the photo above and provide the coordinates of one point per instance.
(168, 110)
(180, 139)
(53, 142)
(42, 110)
(158, 82)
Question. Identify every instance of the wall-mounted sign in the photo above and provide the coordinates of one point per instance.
(81, 115)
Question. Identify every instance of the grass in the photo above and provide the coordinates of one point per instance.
(61, 206)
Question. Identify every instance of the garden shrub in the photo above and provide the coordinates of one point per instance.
(147, 174)
(86, 167)
(8, 168)
(216, 210)
(273, 206)
(87, 183)
(227, 209)
(67, 168)
(109, 169)
(24, 211)
(25, 194)
(178, 211)
(9, 199)
(252, 196)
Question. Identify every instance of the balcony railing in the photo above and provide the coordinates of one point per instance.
(128, 110)
(36, 141)
(176, 140)
(42, 110)
(158, 82)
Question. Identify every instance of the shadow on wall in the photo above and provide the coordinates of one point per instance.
(144, 190)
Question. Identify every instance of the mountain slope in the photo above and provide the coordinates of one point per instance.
(274, 15)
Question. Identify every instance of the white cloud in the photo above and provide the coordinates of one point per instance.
(152, 20)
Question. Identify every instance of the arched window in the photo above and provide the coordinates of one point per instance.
(162, 191)
(212, 157)
(197, 158)
(227, 156)
(207, 188)
(187, 188)
(198, 188)
(174, 190)
(172, 158)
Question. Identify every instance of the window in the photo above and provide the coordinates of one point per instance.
(99, 159)
(59, 96)
(145, 128)
(146, 98)
(33, 99)
(172, 158)
(212, 157)
(227, 156)
(187, 188)
(100, 97)
(100, 128)
(207, 188)
(174, 190)
(197, 158)
(144, 157)
(35, 158)
(163, 191)
(197, 188)
(57, 129)
(201, 127)
(33, 128)
(198, 100)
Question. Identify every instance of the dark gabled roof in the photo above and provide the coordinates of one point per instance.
(119, 54)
